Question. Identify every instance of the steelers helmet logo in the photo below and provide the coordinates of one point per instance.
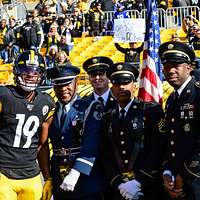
(170, 46)
(45, 110)
(94, 60)
(119, 67)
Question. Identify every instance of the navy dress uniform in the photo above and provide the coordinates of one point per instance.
(181, 123)
(131, 144)
(75, 142)
(100, 64)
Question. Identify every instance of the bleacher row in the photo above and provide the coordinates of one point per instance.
(87, 47)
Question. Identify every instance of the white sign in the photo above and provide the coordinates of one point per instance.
(129, 30)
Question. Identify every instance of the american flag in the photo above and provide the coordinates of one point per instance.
(150, 86)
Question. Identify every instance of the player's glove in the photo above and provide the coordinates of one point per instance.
(47, 189)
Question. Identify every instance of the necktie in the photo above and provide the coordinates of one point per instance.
(62, 117)
(175, 100)
(122, 114)
(101, 100)
(176, 96)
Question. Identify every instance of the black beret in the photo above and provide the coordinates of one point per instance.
(176, 52)
(122, 73)
(98, 63)
(62, 74)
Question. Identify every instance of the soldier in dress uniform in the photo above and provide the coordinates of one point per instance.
(96, 69)
(75, 137)
(131, 145)
(182, 164)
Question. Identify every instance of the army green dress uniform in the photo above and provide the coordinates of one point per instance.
(181, 123)
(131, 147)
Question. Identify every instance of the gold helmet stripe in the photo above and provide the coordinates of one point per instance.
(32, 56)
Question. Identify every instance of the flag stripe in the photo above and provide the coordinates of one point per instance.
(150, 73)
(148, 97)
(150, 87)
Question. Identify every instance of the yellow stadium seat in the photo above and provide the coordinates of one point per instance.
(197, 53)
(4, 77)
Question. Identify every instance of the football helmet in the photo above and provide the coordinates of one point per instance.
(29, 70)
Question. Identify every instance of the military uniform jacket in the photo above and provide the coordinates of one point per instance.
(109, 105)
(20, 125)
(135, 141)
(183, 151)
(81, 129)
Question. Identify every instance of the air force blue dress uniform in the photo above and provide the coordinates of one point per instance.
(76, 145)
(95, 65)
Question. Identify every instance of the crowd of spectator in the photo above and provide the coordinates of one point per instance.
(53, 25)
(191, 26)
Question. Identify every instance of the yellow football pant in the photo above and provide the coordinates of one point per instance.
(20, 189)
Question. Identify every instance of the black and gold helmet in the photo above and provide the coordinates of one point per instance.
(29, 70)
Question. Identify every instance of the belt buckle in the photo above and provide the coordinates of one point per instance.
(64, 170)
(127, 176)
(65, 152)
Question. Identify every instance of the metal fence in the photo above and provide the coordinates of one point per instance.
(170, 18)
(16, 9)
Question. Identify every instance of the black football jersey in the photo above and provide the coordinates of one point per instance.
(20, 125)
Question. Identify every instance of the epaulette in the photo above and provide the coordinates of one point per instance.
(197, 84)
(139, 103)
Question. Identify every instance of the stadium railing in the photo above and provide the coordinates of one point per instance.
(169, 18)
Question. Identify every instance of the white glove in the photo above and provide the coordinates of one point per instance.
(70, 180)
(130, 189)
(128, 196)
(169, 173)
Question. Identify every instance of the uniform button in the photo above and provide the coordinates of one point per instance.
(173, 154)
(172, 142)
(172, 119)
(126, 161)
(121, 133)
(62, 138)
(123, 152)
(172, 131)
(122, 142)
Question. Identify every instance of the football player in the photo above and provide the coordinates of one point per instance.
(25, 115)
